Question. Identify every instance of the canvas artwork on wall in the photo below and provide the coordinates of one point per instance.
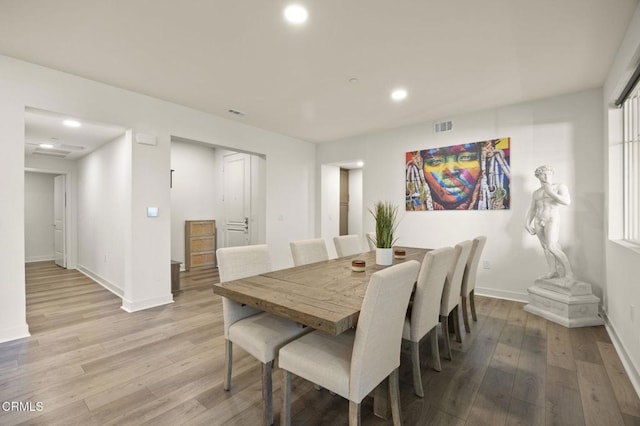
(470, 176)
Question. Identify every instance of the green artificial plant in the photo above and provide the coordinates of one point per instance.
(385, 214)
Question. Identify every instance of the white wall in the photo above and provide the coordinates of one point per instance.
(622, 260)
(563, 131)
(355, 204)
(290, 179)
(104, 203)
(38, 216)
(330, 205)
(194, 192)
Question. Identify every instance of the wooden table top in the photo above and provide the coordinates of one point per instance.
(326, 295)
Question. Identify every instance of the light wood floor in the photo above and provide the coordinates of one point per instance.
(91, 363)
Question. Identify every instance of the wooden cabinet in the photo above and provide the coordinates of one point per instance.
(200, 243)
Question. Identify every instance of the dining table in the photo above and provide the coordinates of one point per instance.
(325, 295)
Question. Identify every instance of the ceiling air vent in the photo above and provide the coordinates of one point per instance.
(442, 126)
(51, 152)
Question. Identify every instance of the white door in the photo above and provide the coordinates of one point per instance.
(59, 207)
(237, 199)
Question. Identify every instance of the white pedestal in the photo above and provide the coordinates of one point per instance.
(570, 306)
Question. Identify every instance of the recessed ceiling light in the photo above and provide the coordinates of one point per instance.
(71, 123)
(296, 14)
(399, 94)
(46, 145)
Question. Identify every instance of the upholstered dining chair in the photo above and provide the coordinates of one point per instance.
(259, 333)
(469, 280)
(309, 251)
(451, 293)
(347, 245)
(353, 363)
(424, 314)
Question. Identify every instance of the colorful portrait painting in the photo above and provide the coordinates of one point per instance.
(471, 176)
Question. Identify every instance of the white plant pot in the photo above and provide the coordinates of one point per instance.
(384, 256)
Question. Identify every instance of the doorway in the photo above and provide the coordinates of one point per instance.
(341, 200)
(211, 182)
(45, 217)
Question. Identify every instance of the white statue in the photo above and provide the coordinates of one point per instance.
(544, 215)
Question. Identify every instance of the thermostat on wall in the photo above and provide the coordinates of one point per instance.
(152, 212)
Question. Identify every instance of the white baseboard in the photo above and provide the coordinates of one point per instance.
(140, 305)
(102, 281)
(14, 333)
(44, 258)
(627, 362)
(502, 294)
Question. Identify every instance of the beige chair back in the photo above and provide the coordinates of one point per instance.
(453, 284)
(376, 349)
(471, 270)
(347, 245)
(240, 262)
(309, 251)
(425, 311)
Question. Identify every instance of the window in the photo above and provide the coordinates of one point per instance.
(631, 165)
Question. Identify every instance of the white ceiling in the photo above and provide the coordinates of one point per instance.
(452, 56)
(68, 143)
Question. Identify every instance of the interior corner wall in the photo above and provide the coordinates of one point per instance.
(622, 299)
(194, 190)
(38, 216)
(563, 131)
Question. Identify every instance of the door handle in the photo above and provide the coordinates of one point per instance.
(246, 225)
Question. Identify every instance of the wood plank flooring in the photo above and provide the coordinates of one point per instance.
(90, 363)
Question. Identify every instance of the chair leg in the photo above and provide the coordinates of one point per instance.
(228, 359)
(465, 315)
(445, 332)
(354, 414)
(394, 395)
(435, 351)
(285, 414)
(267, 393)
(456, 323)
(473, 305)
(417, 377)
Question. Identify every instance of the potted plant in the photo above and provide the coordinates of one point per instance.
(385, 214)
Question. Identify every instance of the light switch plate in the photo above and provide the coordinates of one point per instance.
(152, 212)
